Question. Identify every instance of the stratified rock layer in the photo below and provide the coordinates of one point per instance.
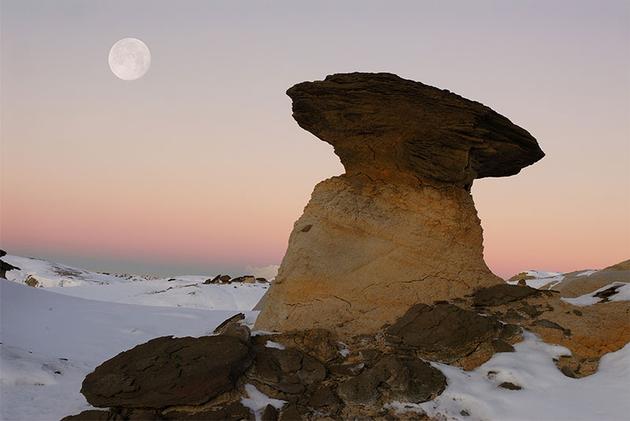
(387, 127)
(400, 226)
(363, 253)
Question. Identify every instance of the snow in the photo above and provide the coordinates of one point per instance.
(344, 351)
(541, 278)
(623, 294)
(43, 332)
(276, 345)
(258, 401)
(586, 273)
(178, 291)
(547, 394)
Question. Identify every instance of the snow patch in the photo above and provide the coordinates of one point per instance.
(586, 273)
(276, 345)
(258, 401)
(541, 278)
(623, 294)
(546, 393)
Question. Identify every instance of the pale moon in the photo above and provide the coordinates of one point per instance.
(129, 59)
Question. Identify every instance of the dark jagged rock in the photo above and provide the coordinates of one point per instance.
(233, 411)
(510, 386)
(448, 333)
(269, 414)
(497, 295)
(5, 267)
(92, 415)
(168, 371)
(285, 373)
(400, 378)
(381, 124)
(607, 293)
(219, 279)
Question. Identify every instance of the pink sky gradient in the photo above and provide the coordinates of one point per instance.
(199, 167)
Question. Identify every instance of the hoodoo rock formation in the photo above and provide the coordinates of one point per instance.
(400, 227)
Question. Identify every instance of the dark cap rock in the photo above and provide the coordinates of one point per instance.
(384, 126)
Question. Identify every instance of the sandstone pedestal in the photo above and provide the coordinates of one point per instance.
(400, 226)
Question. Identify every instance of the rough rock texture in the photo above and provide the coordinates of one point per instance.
(168, 371)
(452, 335)
(384, 126)
(400, 227)
(589, 331)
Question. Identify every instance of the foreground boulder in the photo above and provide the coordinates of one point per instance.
(168, 371)
(400, 226)
(452, 335)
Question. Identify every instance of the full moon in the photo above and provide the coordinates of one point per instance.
(129, 59)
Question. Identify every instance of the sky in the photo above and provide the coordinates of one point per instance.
(198, 167)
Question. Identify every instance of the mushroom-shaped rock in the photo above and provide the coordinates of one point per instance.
(400, 226)
(385, 127)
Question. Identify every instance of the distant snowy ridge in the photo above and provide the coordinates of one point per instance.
(188, 291)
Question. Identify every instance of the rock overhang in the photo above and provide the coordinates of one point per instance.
(389, 128)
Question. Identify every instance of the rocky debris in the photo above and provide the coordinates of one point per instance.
(399, 227)
(558, 322)
(394, 379)
(5, 267)
(321, 376)
(31, 281)
(168, 371)
(245, 279)
(233, 327)
(285, 373)
(510, 386)
(497, 295)
(231, 411)
(219, 279)
(607, 293)
(449, 334)
(269, 414)
(520, 278)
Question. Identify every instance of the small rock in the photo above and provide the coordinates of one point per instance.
(233, 327)
(497, 295)
(31, 281)
(510, 386)
(404, 379)
(552, 325)
(269, 414)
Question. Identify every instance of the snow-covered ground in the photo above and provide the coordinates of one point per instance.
(539, 278)
(52, 337)
(622, 294)
(177, 291)
(546, 393)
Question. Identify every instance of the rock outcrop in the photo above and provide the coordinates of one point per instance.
(400, 226)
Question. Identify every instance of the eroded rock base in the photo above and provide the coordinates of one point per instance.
(365, 251)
